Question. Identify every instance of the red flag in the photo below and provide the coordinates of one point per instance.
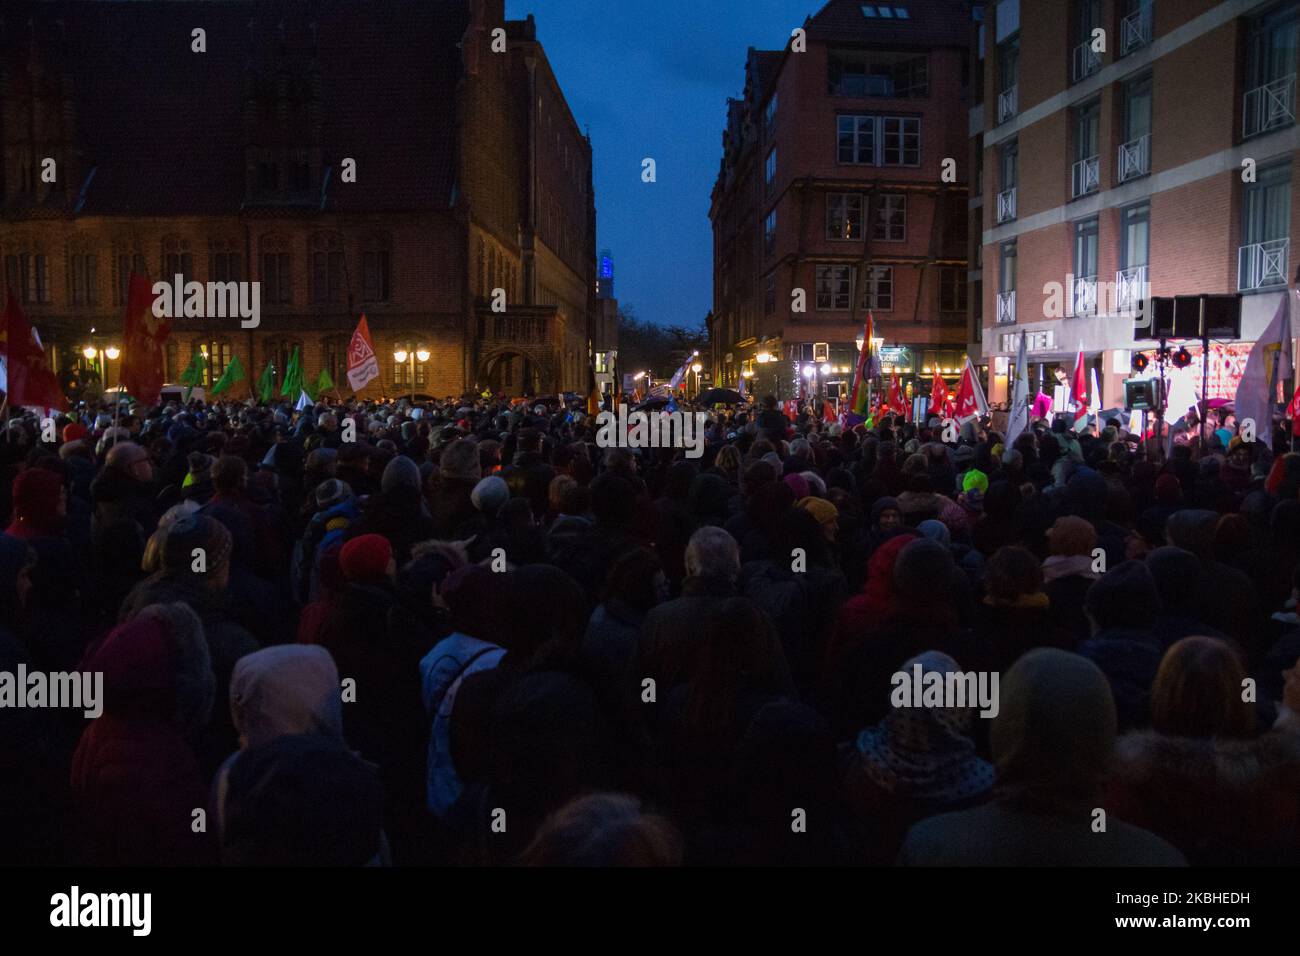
(897, 404)
(791, 408)
(938, 394)
(970, 397)
(363, 367)
(1079, 390)
(828, 413)
(31, 381)
(1293, 412)
(143, 338)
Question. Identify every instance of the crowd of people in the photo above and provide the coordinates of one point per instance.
(461, 632)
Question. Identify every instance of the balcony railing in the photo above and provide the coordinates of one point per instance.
(1135, 158)
(1085, 176)
(1130, 289)
(1083, 297)
(1135, 30)
(1263, 265)
(1007, 205)
(1087, 61)
(1269, 106)
(1008, 102)
(1007, 308)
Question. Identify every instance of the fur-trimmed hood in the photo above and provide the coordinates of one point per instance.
(1233, 764)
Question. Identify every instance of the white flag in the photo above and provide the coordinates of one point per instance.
(1018, 421)
(1269, 363)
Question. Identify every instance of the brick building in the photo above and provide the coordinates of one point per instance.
(832, 182)
(1126, 147)
(227, 164)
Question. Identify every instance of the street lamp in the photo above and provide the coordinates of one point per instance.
(96, 354)
(420, 354)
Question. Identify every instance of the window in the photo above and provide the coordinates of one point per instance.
(1008, 64)
(1008, 165)
(1269, 101)
(769, 295)
(844, 216)
(857, 140)
(769, 171)
(890, 221)
(326, 269)
(885, 12)
(336, 359)
(1007, 273)
(834, 287)
(902, 141)
(1086, 60)
(277, 271)
(1085, 248)
(769, 233)
(17, 275)
(218, 354)
(769, 117)
(886, 75)
(170, 353)
(1085, 173)
(280, 351)
(376, 270)
(268, 175)
(126, 264)
(402, 372)
(1134, 236)
(84, 269)
(1084, 294)
(878, 289)
(879, 140)
(1135, 151)
(176, 259)
(1266, 206)
(224, 261)
(42, 277)
(952, 289)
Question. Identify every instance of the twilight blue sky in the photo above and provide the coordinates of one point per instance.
(651, 78)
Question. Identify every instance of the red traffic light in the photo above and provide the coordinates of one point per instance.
(1140, 361)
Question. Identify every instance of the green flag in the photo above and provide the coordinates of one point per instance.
(193, 374)
(293, 381)
(234, 373)
(324, 381)
(266, 384)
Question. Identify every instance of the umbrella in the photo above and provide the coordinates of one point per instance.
(654, 402)
(1219, 403)
(720, 396)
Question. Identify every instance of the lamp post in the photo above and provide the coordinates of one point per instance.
(402, 356)
(97, 354)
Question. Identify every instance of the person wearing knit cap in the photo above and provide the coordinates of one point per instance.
(490, 494)
(75, 431)
(1053, 746)
(976, 480)
(192, 534)
(827, 515)
(798, 484)
(367, 559)
(401, 471)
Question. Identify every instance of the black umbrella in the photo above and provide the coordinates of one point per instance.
(654, 402)
(720, 396)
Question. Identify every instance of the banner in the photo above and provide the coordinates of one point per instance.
(363, 367)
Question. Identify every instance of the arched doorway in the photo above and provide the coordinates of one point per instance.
(510, 373)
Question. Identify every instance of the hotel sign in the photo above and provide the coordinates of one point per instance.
(1042, 340)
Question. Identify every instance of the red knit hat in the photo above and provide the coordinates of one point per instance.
(365, 559)
(75, 431)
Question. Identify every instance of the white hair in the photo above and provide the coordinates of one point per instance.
(712, 552)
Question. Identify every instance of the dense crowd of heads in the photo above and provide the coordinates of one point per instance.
(462, 632)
